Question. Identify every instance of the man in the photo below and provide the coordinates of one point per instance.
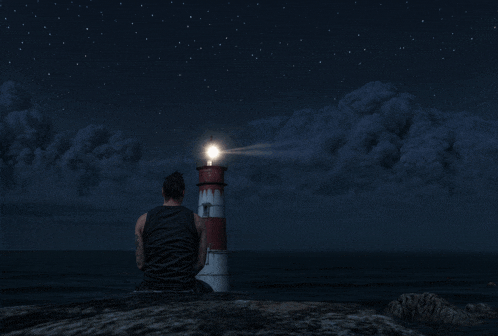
(171, 243)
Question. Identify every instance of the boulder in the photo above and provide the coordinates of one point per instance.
(481, 311)
(430, 308)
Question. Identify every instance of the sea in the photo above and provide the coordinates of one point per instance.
(369, 278)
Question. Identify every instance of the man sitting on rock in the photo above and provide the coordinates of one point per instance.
(171, 243)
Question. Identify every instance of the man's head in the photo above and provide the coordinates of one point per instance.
(174, 187)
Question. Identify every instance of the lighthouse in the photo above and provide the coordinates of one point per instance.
(212, 208)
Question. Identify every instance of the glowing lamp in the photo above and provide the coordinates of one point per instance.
(212, 152)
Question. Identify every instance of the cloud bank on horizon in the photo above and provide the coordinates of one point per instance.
(372, 164)
(378, 140)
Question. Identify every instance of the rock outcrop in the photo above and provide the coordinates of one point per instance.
(430, 308)
(156, 313)
(208, 314)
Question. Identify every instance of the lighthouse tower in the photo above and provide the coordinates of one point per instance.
(211, 207)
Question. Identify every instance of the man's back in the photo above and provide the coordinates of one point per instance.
(171, 245)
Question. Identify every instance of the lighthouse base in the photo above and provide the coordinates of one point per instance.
(215, 271)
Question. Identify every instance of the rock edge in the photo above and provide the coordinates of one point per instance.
(208, 314)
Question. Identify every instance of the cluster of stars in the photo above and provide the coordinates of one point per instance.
(183, 39)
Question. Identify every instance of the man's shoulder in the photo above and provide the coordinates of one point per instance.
(186, 211)
(139, 227)
(142, 219)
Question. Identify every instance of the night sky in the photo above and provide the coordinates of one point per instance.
(346, 125)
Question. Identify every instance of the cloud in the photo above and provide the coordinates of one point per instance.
(13, 98)
(376, 141)
(94, 176)
(36, 163)
(374, 171)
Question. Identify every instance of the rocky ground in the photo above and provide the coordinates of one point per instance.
(232, 314)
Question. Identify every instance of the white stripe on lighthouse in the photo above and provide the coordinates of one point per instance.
(214, 203)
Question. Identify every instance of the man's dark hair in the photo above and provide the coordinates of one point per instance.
(174, 186)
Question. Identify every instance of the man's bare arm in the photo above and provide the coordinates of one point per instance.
(200, 224)
(139, 253)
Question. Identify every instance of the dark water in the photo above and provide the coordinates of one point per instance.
(39, 277)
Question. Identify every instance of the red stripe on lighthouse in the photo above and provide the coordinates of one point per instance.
(216, 233)
(211, 185)
(211, 174)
